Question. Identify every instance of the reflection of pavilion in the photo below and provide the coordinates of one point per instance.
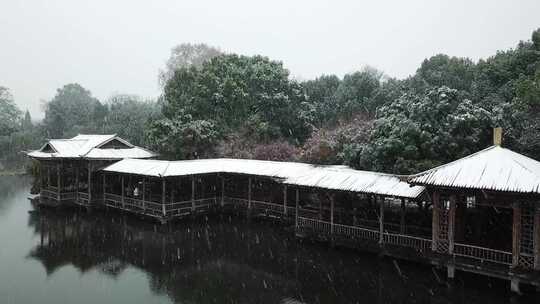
(214, 262)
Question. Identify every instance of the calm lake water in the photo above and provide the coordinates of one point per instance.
(70, 256)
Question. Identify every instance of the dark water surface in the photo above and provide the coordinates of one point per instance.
(67, 256)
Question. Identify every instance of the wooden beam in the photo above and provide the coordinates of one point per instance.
(516, 233)
(537, 239)
(381, 219)
(451, 223)
(435, 220)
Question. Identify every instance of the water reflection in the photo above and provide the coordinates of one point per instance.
(228, 260)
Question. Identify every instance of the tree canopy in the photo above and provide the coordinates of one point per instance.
(232, 93)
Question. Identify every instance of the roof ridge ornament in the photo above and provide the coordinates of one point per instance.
(497, 136)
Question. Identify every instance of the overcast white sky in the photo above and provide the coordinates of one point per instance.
(118, 46)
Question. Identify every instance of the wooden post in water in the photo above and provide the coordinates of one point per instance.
(516, 233)
(402, 217)
(381, 219)
(435, 221)
(285, 201)
(296, 210)
(537, 239)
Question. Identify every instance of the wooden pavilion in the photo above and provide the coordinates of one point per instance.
(69, 168)
(486, 213)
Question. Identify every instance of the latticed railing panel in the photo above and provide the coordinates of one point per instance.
(483, 254)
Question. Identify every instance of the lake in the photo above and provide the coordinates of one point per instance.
(72, 256)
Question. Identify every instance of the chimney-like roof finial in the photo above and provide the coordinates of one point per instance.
(497, 136)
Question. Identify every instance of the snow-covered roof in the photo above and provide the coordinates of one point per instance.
(292, 173)
(495, 168)
(89, 146)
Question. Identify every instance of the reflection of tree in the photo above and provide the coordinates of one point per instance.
(220, 260)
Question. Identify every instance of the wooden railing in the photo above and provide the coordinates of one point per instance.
(356, 232)
(277, 208)
(83, 199)
(483, 254)
(238, 202)
(64, 196)
(320, 227)
(185, 207)
(132, 204)
(49, 194)
(417, 243)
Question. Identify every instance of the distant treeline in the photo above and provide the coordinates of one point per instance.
(226, 105)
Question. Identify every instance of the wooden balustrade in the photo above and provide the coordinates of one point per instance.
(483, 254)
(418, 243)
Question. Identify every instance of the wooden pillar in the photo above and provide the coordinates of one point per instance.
(332, 201)
(163, 193)
(516, 233)
(144, 194)
(222, 191)
(451, 223)
(58, 182)
(381, 219)
(48, 176)
(249, 193)
(77, 184)
(123, 190)
(402, 217)
(104, 183)
(89, 182)
(192, 194)
(320, 207)
(296, 209)
(285, 200)
(537, 239)
(435, 220)
(172, 189)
